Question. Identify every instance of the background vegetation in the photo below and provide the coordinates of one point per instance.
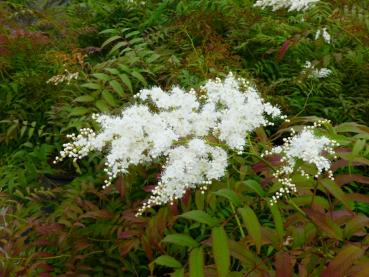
(57, 221)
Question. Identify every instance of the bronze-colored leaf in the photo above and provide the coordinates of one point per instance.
(283, 265)
(340, 265)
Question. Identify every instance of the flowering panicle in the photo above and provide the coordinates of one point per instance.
(324, 33)
(177, 125)
(190, 166)
(305, 146)
(65, 77)
(292, 5)
(314, 72)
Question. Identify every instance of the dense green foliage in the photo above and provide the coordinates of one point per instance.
(56, 219)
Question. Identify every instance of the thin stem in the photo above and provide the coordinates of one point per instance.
(238, 221)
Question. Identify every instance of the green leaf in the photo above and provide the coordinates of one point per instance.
(84, 98)
(91, 86)
(200, 216)
(79, 111)
(358, 147)
(278, 222)
(131, 34)
(252, 225)
(168, 261)
(135, 40)
(178, 273)
(196, 262)
(101, 76)
(230, 195)
(109, 98)
(101, 105)
(220, 251)
(118, 46)
(336, 191)
(113, 71)
(110, 40)
(126, 81)
(125, 68)
(139, 77)
(255, 186)
(181, 239)
(117, 87)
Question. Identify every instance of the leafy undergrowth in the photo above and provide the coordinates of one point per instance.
(55, 220)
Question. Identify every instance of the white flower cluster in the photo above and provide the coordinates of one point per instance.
(314, 72)
(188, 166)
(65, 77)
(177, 125)
(325, 35)
(292, 5)
(307, 147)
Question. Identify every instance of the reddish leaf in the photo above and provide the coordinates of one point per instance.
(99, 214)
(127, 234)
(358, 197)
(358, 223)
(126, 247)
(283, 49)
(262, 166)
(341, 264)
(283, 265)
(149, 188)
(186, 197)
(347, 178)
(325, 223)
(119, 185)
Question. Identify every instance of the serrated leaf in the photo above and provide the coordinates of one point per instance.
(220, 251)
(168, 261)
(181, 239)
(101, 76)
(108, 31)
(230, 195)
(340, 265)
(139, 77)
(109, 98)
(84, 98)
(255, 186)
(110, 40)
(117, 87)
(124, 68)
(79, 111)
(91, 86)
(135, 40)
(125, 79)
(252, 225)
(201, 217)
(196, 262)
(113, 71)
(118, 46)
(336, 191)
(101, 105)
(133, 33)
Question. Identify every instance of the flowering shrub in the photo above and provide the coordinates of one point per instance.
(223, 186)
(184, 128)
(292, 5)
